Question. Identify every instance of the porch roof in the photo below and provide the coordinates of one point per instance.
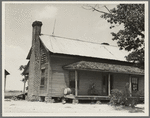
(104, 67)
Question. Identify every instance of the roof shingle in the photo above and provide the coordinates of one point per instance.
(104, 67)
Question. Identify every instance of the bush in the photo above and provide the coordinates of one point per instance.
(116, 97)
(122, 97)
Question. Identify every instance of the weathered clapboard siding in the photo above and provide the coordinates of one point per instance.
(141, 84)
(120, 80)
(58, 62)
(60, 77)
(49, 80)
(86, 79)
(82, 58)
(58, 84)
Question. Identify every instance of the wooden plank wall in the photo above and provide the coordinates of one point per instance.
(60, 77)
(141, 84)
(86, 79)
(120, 80)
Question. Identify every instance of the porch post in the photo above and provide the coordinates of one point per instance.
(76, 86)
(109, 84)
(24, 86)
(5, 84)
(130, 86)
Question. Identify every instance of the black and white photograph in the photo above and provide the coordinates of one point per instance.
(74, 58)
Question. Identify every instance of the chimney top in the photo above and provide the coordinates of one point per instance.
(37, 23)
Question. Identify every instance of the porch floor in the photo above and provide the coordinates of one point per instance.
(82, 97)
(87, 97)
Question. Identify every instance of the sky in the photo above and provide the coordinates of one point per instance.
(72, 21)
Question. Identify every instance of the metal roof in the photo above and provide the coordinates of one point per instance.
(104, 67)
(62, 45)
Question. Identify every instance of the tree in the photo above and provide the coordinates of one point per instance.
(25, 78)
(131, 38)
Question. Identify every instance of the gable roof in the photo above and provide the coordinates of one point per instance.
(62, 45)
(104, 67)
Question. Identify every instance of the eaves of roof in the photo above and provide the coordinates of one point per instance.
(104, 67)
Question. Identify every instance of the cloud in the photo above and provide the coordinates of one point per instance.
(46, 13)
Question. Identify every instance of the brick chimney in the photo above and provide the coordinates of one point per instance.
(36, 30)
(34, 70)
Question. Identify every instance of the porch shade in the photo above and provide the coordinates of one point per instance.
(104, 67)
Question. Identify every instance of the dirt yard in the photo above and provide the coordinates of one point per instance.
(10, 107)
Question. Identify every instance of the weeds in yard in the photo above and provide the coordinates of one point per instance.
(123, 97)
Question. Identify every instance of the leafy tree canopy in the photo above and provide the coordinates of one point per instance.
(131, 38)
(22, 67)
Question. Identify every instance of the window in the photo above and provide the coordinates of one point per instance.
(43, 72)
(42, 81)
(42, 78)
(134, 84)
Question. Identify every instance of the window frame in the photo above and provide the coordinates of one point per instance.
(42, 82)
(134, 82)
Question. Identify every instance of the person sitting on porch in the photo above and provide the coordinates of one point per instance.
(92, 90)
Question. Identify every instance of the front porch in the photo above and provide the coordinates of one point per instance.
(101, 77)
(92, 85)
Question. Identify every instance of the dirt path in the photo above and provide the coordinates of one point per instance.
(41, 107)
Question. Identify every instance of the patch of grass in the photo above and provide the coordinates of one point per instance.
(10, 94)
(133, 109)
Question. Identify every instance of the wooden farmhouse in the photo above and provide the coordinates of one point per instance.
(60, 67)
